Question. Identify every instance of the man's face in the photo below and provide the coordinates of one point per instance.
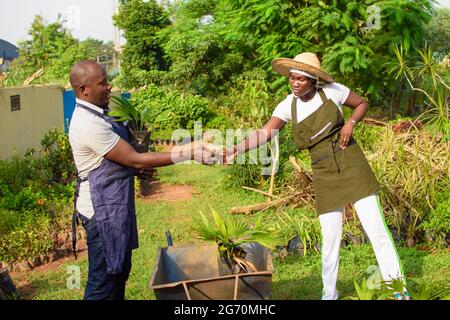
(300, 84)
(97, 90)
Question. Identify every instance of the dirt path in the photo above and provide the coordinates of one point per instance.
(168, 192)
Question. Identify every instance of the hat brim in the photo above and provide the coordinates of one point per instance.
(283, 65)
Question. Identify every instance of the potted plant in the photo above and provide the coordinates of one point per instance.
(125, 110)
(233, 238)
(234, 264)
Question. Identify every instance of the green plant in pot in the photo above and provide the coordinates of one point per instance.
(125, 110)
(232, 237)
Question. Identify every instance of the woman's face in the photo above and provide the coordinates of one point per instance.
(300, 85)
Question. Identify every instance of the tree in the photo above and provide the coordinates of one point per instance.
(53, 49)
(438, 33)
(142, 55)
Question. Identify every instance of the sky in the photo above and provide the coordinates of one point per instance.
(85, 18)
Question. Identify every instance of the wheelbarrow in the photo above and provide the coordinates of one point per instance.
(197, 272)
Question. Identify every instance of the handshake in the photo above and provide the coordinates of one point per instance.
(204, 152)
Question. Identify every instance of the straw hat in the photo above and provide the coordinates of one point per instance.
(305, 61)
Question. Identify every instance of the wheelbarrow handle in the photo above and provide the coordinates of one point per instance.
(169, 238)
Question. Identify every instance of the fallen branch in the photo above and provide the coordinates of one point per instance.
(261, 206)
(297, 167)
(262, 192)
(371, 121)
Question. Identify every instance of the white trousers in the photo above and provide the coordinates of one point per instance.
(372, 220)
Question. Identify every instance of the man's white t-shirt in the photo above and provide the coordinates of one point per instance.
(334, 91)
(91, 138)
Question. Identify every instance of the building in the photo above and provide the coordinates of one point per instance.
(8, 52)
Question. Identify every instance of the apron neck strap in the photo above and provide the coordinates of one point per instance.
(101, 115)
(294, 110)
(323, 96)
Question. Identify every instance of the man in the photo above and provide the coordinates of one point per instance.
(104, 197)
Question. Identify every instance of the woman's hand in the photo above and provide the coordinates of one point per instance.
(229, 155)
(346, 134)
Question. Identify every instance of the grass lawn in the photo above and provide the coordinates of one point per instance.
(295, 277)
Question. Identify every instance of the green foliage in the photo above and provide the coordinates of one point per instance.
(306, 228)
(411, 168)
(438, 32)
(423, 290)
(142, 55)
(436, 225)
(26, 243)
(33, 195)
(166, 109)
(57, 158)
(55, 50)
(230, 233)
(426, 77)
(124, 110)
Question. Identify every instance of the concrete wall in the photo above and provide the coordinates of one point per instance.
(41, 109)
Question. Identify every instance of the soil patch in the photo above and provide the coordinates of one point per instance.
(168, 192)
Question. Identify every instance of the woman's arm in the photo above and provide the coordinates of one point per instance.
(258, 138)
(360, 106)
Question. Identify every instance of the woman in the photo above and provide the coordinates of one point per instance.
(341, 172)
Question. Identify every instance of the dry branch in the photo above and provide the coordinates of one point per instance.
(262, 192)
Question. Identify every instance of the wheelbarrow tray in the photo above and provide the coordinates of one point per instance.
(196, 272)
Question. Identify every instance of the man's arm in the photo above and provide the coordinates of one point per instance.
(124, 154)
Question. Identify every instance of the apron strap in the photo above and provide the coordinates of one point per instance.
(101, 115)
(323, 96)
(75, 221)
(294, 110)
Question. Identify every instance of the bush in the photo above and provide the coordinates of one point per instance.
(166, 109)
(57, 161)
(411, 168)
(26, 243)
(34, 195)
(437, 224)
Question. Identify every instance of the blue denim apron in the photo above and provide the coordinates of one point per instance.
(112, 194)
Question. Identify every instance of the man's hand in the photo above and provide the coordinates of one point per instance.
(346, 134)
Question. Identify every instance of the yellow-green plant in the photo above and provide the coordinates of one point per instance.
(363, 292)
(411, 168)
(426, 69)
(307, 229)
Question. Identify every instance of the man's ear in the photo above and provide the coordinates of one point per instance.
(83, 90)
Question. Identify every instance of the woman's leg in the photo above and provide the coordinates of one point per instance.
(371, 216)
(331, 225)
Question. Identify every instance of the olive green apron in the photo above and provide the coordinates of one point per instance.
(340, 176)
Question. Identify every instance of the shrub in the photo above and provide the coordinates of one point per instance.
(26, 243)
(57, 158)
(437, 224)
(165, 108)
(411, 168)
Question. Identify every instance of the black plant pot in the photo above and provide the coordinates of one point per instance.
(141, 143)
(8, 290)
